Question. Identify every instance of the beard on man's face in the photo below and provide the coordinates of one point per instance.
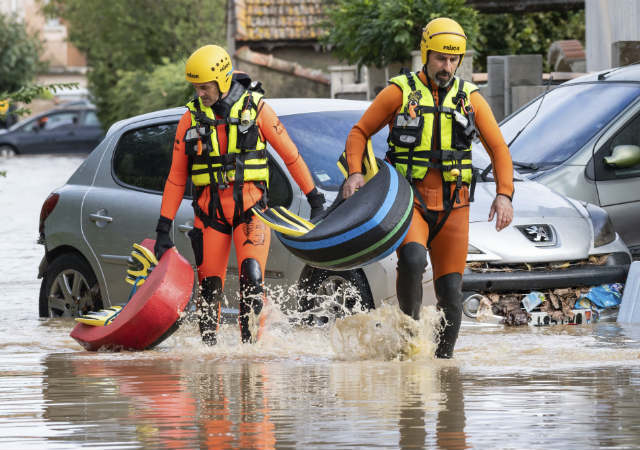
(443, 78)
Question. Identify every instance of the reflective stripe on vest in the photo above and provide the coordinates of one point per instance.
(426, 102)
(253, 159)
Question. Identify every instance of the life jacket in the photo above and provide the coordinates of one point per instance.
(246, 157)
(411, 138)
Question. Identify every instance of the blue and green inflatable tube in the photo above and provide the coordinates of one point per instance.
(360, 230)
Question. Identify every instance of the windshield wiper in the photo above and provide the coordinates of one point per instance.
(485, 172)
(521, 165)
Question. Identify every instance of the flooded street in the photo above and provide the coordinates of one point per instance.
(561, 387)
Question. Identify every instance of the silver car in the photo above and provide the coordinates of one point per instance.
(113, 200)
(582, 139)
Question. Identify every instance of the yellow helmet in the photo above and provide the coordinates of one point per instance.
(443, 35)
(210, 63)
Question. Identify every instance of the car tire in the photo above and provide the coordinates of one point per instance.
(6, 151)
(69, 288)
(348, 290)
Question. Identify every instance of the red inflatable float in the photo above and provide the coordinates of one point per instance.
(153, 312)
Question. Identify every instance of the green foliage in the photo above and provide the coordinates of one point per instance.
(19, 55)
(381, 32)
(525, 34)
(122, 36)
(140, 91)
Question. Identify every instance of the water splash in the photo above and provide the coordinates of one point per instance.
(386, 334)
(329, 330)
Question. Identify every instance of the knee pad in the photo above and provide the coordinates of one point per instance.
(412, 261)
(412, 258)
(449, 291)
(250, 277)
(251, 285)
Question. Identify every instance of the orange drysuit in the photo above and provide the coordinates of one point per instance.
(448, 251)
(252, 239)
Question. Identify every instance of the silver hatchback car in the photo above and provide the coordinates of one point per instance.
(582, 139)
(113, 199)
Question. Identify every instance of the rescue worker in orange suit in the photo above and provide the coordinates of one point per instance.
(433, 116)
(221, 143)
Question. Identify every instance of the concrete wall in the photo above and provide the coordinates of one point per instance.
(624, 53)
(512, 82)
(609, 21)
(364, 84)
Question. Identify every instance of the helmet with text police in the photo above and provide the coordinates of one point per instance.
(443, 35)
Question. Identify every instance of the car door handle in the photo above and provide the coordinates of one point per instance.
(99, 217)
(185, 228)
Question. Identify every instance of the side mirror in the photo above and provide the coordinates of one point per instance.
(623, 157)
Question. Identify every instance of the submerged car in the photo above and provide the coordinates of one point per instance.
(113, 200)
(70, 128)
(582, 139)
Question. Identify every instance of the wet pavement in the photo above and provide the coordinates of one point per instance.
(353, 384)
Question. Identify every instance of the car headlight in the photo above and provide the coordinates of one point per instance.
(474, 251)
(603, 231)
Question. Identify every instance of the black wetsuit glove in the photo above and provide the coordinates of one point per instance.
(163, 241)
(316, 201)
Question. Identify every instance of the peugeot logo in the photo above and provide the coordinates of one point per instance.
(541, 235)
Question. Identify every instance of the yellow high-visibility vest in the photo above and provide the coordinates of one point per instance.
(253, 158)
(459, 159)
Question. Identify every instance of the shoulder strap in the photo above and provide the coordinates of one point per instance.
(411, 81)
(461, 95)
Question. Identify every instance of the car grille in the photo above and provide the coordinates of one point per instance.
(485, 266)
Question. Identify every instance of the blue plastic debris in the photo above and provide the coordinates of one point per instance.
(532, 299)
(602, 297)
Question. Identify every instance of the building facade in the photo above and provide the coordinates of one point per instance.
(66, 64)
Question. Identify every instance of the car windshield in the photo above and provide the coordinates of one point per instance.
(569, 117)
(321, 137)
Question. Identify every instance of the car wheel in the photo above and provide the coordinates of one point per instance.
(69, 288)
(7, 151)
(327, 295)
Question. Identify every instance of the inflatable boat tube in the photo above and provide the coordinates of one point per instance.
(153, 312)
(360, 230)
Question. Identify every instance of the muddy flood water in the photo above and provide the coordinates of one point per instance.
(335, 387)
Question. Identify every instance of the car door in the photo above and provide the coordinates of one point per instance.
(57, 132)
(616, 171)
(28, 137)
(123, 204)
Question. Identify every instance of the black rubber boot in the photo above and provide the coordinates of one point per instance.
(412, 262)
(251, 294)
(449, 293)
(208, 305)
